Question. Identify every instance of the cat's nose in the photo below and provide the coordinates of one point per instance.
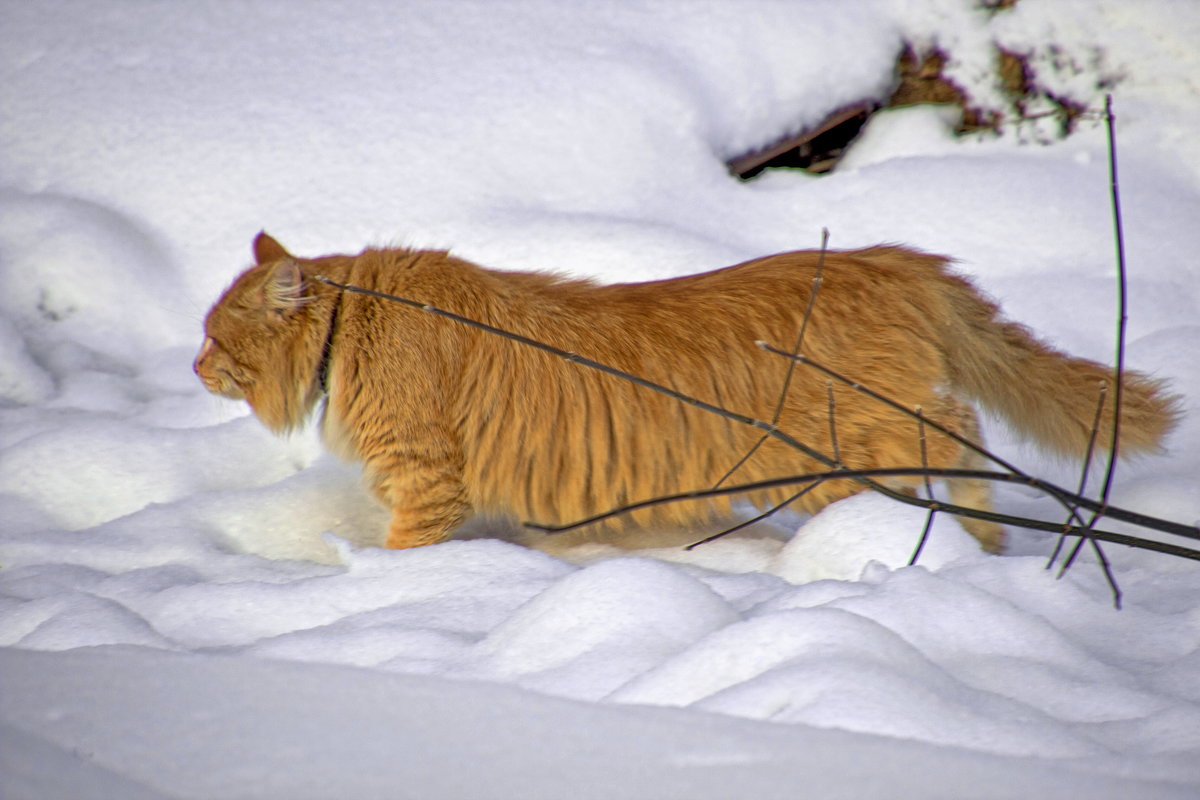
(208, 343)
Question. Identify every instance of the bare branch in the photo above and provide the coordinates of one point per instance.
(769, 512)
(787, 378)
(1152, 523)
(833, 437)
(1087, 463)
(964, 441)
(1122, 315)
(1119, 366)
(874, 395)
(928, 490)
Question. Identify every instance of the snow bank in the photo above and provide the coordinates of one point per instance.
(375, 735)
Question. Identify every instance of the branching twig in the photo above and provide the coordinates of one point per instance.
(769, 512)
(833, 437)
(787, 378)
(775, 509)
(1119, 366)
(1083, 477)
(865, 390)
(1071, 502)
(934, 472)
(1064, 495)
(1101, 558)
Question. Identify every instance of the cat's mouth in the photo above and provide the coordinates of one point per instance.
(221, 383)
(230, 389)
(215, 379)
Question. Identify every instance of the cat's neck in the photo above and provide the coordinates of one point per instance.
(339, 267)
(327, 348)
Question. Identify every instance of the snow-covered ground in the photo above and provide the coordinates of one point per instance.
(190, 607)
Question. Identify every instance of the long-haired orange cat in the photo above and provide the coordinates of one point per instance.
(449, 420)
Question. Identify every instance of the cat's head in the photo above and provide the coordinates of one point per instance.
(258, 343)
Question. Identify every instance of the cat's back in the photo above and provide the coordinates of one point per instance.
(441, 279)
(759, 299)
(739, 304)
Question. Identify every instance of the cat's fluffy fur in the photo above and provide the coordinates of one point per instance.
(449, 421)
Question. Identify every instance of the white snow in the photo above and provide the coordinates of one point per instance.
(191, 607)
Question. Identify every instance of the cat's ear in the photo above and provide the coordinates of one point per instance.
(266, 249)
(283, 291)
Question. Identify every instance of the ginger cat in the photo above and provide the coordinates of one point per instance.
(449, 420)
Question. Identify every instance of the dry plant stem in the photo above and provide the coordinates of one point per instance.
(836, 457)
(816, 287)
(928, 490)
(1070, 501)
(924, 452)
(886, 472)
(1087, 463)
(924, 537)
(965, 442)
(1122, 316)
(833, 440)
(1105, 566)
(787, 378)
(1100, 556)
(769, 512)
(1058, 492)
(1122, 320)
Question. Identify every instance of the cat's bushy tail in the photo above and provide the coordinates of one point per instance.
(1044, 394)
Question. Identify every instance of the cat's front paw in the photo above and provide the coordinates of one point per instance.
(403, 533)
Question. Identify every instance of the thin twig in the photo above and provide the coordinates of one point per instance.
(1075, 501)
(1033, 524)
(1101, 558)
(1087, 463)
(928, 490)
(924, 456)
(924, 537)
(874, 395)
(787, 378)
(769, 512)
(833, 437)
(1119, 367)
(1124, 515)
(1122, 316)
(865, 390)
(1105, 566)
(836, 457)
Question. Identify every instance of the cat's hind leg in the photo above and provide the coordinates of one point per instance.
(975, 492)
